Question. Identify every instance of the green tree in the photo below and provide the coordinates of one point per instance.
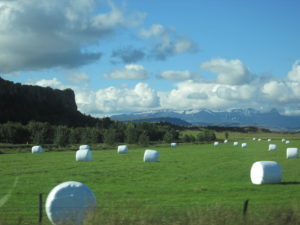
(168, 137)
(131, 134)
(61, 137)
(143, 139)
(226, 135)
(110, 136)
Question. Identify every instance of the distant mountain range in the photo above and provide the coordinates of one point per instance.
(237, 117)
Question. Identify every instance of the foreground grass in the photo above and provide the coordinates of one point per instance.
(192, 184)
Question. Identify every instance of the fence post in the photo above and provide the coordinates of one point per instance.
(245, 207)
(40, 208)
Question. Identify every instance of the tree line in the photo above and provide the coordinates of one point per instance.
(104, 131)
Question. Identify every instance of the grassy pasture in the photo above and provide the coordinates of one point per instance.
(188, 178)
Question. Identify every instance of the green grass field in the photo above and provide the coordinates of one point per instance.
(188, 179)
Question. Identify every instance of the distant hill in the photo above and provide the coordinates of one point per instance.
(23, 103)
(238, 117)
(170, 120)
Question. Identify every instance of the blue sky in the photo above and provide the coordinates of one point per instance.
(138, 55)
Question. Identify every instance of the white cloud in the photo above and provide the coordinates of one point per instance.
(294, 74)
(78, 78)
(53, 83)
(176, 75)
(53, 33)
(232, 72)
(167, 42)
(129, 72)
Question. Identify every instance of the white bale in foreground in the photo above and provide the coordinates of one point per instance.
(173, 145)
(69, 202)
(235, 143)
(216, 143)
(83, 147)
(36, 149)
(151, 155)
(272, 147)
(122, 149)
(283, 140)
(265, 172)
(225, 141)
(269, 139)
(84, 155)
(287, 142)
(244, 145)
(291, 153)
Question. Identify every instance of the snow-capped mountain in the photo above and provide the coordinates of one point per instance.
(236, 117)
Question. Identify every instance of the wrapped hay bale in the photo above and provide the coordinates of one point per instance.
(36, 149)
(173, 145)
(122, 149)
(225, 141)
(272, 147)
(254, 139)
(84, 155)
(83, 147)
(69, 202)
(235, 143)
(151, 155)
(244, 145)
(283, 140)
(216, 143)
(291, 153)
(287, 142)
(259, 139)
(265, 172)
(269, 139)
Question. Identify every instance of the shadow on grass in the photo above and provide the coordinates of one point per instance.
(290, 182)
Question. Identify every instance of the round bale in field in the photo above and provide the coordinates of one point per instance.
(225, 141)
(235, 143)
(283, 140)
(254, 139)
(259, 139)
(216, 143)
(84, 155)
(36, 149)
(69, 202)
(269, 139)
(291, 153)
(83, 147)
(151, 155)
(287, 142)
(272, 147)
(122, 149)
(173, 145)
(265, 172)
(244, 145)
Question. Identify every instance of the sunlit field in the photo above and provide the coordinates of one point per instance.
(188, 179)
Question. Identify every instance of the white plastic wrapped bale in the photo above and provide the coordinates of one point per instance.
(259, 139)
(287, 142)
(235, 143)
(254, 139)
(265, 172)
(244, 145)
(216, 143)
(122, 149)
(291, 153)
(272, 147)
(36, 149)
(283, 140)
(84, 147)
(84, 155)
(225, 141)
(69, 202)
(173, 145)
(269, 139)
(151, 155)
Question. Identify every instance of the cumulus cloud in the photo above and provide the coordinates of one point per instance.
(167, 42)
(52, 33)
(53, 83)
(177, 75)
(294, 74)
(127, 55)
(232, 72)
(129, 72)
(78, 78)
